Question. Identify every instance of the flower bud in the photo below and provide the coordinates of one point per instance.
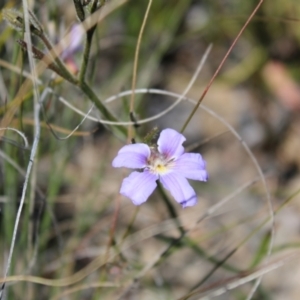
(16, 20)
(79, 10)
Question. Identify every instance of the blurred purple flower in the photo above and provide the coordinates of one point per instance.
(72, 45)
(74, 41)
(167, 162)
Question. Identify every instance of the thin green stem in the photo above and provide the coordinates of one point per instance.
(87, 46)
(102, 108)
(86, 53)
(171, 209)
(220, 67)
(63, 69)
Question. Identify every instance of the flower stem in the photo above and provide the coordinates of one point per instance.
(102, 108)
(88, 43)
(86, 53)
(63, 69)
(170, 208)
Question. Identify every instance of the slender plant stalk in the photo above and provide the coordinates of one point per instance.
(220, 66)
(102, 108)
(87, 46)
(135, 66)
(37, 130)
(86, 53)
(63, 69)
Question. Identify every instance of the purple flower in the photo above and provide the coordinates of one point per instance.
(74, 43)
(167, 162)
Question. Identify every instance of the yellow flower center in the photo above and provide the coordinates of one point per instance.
(158, 164)
(160, 168)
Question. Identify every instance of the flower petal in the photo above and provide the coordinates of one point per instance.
(74, 42)
(138, 186)
(192, 166)
(132, 156)
(179, 188)
(170, 143)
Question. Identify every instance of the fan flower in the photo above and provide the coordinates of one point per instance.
(167, 163)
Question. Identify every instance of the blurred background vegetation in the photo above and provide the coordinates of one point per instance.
(76, 233)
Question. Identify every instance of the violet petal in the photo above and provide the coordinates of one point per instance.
(170, 143)
(192, 166)
(138, 186)
(74, 43)
(179, 188)
(132, 156)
